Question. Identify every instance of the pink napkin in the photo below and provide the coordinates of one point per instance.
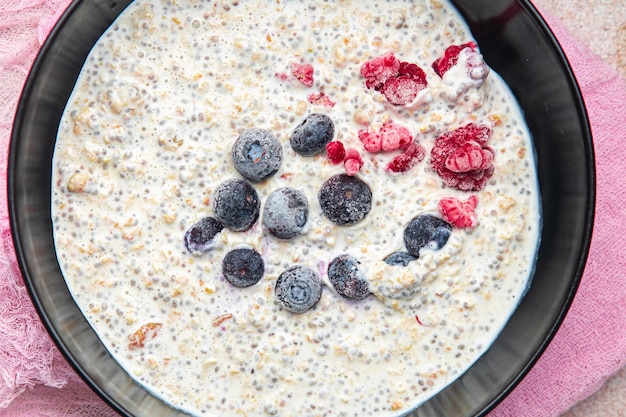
(35, 379)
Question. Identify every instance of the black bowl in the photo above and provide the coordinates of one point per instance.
(514, 40)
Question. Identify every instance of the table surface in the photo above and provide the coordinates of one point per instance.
(601, 24)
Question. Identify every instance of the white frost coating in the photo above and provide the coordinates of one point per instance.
(469, 73)
(146, 139)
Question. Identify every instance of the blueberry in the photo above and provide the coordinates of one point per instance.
(311, 136)
(286, 212)
(347, 278)
(257, 154)
(426, 230)
(298, 289)
(399, 259)
(243, 267)
(345, 199)
(236, 205)
(199, 237)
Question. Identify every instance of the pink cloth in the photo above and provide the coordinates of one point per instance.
(35, 380)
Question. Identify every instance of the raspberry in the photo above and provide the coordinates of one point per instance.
(336, 152)
(401, 90)
(303, 73)
(460, 214)
(321, 98)
(398, 81)
(379, 70)
(411, 156)
(459, 162)
(352, 162)
(450, 57)
(390, 137)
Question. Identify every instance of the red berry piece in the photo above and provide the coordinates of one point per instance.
(414, 72)
(379, 70)
(450, 57)
(461, 214)
(372, 141)
(303, 73)
(352, 162)
(321, 99)
(401, 90)
(394, 136)
(411, 156)
(462, 158)
(336, 152)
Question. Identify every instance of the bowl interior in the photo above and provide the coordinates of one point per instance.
(514, 41)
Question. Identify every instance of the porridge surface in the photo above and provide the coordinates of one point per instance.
(146, 138)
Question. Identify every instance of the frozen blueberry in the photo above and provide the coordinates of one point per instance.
(345, 199)
(426, 230)
(236, 205)
(243, 267)
(286, 212)
(312, 135)
(347, 278)
(298, 289)
(257, 154)
(199, 237)
(399, 259)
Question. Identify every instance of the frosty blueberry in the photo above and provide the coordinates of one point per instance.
(298, 289)
(345, 199)
(313, 134)
(286, 212)
(257, 154)
(347, 278)
(426, 230)
(199, 237)
(236, 205)
(243, 267)
(399, 259)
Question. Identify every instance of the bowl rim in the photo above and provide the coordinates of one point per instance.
(18, 244)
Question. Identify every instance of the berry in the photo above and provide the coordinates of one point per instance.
(379, 70)
(336, 152)
(398, 81)
(390, 137)
(243, 267)
(199, 237)
(303, 73)
(257, 154)
(352, 161)
(236, 205)
(345, 200)
(426, 230)
(459, 162)
(298, 289)
(313, 134)
(459, 213)
(411, 156)
(399, 259)
(347, 278)
(321, 99)
(450, 57)
(401, 90)
(286, 212)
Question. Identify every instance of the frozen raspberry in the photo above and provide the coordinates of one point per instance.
(322, 99)
(379, 70)
(336, 152)
(394, 136)
(390, 137)
(303, 73)
(413, 71)
(450, 57)
(458, 149)
(411, 156)
(468, 157)
(459, 213)
(401, 90)
(352, 161)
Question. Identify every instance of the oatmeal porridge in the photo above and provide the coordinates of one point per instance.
(292, 207)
